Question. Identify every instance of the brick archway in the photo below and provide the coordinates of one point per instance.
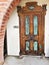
(3, 27)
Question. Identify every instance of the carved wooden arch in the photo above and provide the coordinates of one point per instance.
(10, 9)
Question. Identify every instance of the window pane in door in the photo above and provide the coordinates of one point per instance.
(27, 25)
(35, 25)
(35, 45)
(27, 45)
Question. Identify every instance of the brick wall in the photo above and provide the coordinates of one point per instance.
(6, 9)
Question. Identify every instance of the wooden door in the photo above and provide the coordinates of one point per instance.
(30, 33)
(31, 21)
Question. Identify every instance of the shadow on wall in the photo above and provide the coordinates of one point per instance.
(5, 44)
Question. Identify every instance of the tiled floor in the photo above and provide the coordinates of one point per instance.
(26, 60)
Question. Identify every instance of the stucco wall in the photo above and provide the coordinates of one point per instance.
(13, 34)
(9, 38)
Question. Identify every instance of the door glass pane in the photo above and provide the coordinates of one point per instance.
(35, 25)
(27, 45)
(27, 25)
(40, 46)
(35, 46)
(31, 7)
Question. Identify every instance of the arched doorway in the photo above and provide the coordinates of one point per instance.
(10, 9)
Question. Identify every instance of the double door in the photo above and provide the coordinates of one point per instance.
(31, 34)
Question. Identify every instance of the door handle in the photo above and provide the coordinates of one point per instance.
(16, 26)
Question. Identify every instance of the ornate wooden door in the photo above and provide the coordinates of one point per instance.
(31, 30)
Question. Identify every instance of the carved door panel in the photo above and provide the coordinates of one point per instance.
(30, 32)
(32, 21)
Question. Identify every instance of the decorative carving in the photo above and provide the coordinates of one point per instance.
(44, 6)
(31, 3)
(31, 37)
(18, 8)
(36, 45)
(31, 7)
